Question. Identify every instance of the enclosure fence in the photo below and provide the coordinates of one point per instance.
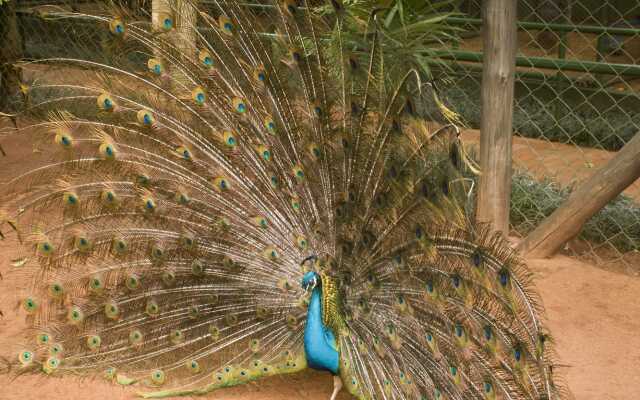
(576, 100)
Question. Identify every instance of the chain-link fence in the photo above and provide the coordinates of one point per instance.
(577, 101)
(577, 98)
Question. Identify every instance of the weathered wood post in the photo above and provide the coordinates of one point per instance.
(593, 194)
(498, 70)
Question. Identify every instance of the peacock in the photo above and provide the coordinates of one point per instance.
(228, 195)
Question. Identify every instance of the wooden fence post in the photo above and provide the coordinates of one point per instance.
(498, 72)
(593, 194)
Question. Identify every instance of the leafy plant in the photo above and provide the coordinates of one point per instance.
(407, 30)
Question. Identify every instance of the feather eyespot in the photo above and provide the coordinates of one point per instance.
(503, 277)
(135, 337)
(314, 151)
(45, 248)
(264, 152)
(51, 365)
(107, 150)
(64, 139)
(145, 117)
(301, 242)
(94, 342)
(152, 309)
(158, 377)
(260, 221)
(111, 310)
(239, 105)
(229, 139)
(197, 268)
(117, 27)
(155, 66)
(295, 203)
(221, 184)
(225, 25)
(205, 58)
(75, 315)
(43, 338)
(105, 102)
(30, 305)
(176, 336)
(298, 172)
(26, 357)
(184, 153)
(269, 124)
(192, 366)
(169, 278)
(96, 284)
(199, 96)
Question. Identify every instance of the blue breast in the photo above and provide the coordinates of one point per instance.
(320, 345)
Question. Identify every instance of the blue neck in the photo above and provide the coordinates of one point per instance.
(314, 314)
(319, 341)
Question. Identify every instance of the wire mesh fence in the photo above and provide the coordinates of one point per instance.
(577, 97)
(576, 103)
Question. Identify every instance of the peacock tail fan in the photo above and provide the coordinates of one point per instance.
(182, 180)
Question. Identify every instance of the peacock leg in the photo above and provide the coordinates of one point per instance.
(337, 385)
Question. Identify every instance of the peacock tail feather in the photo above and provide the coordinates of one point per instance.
(182, 181)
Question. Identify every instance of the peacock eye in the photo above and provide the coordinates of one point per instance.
(239, 105)
(95, 283)
(488, 332)
(458, 330)
(43, 338)
(298, 172)
(199, 96)
(225, 24)
(75, 315)
(56, 290)
(107, 151)
(30, 305)
(517, 353)
(168, 23)
(112, 310)
(503, 277)
(157, 377)
(93, 342)
(116, 26)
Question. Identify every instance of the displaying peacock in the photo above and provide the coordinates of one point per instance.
(215, 205)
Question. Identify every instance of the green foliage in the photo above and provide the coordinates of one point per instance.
(407, 30)
(618, 223)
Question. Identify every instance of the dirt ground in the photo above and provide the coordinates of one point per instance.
(562, 163)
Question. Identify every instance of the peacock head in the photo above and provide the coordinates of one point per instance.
(310, 280)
